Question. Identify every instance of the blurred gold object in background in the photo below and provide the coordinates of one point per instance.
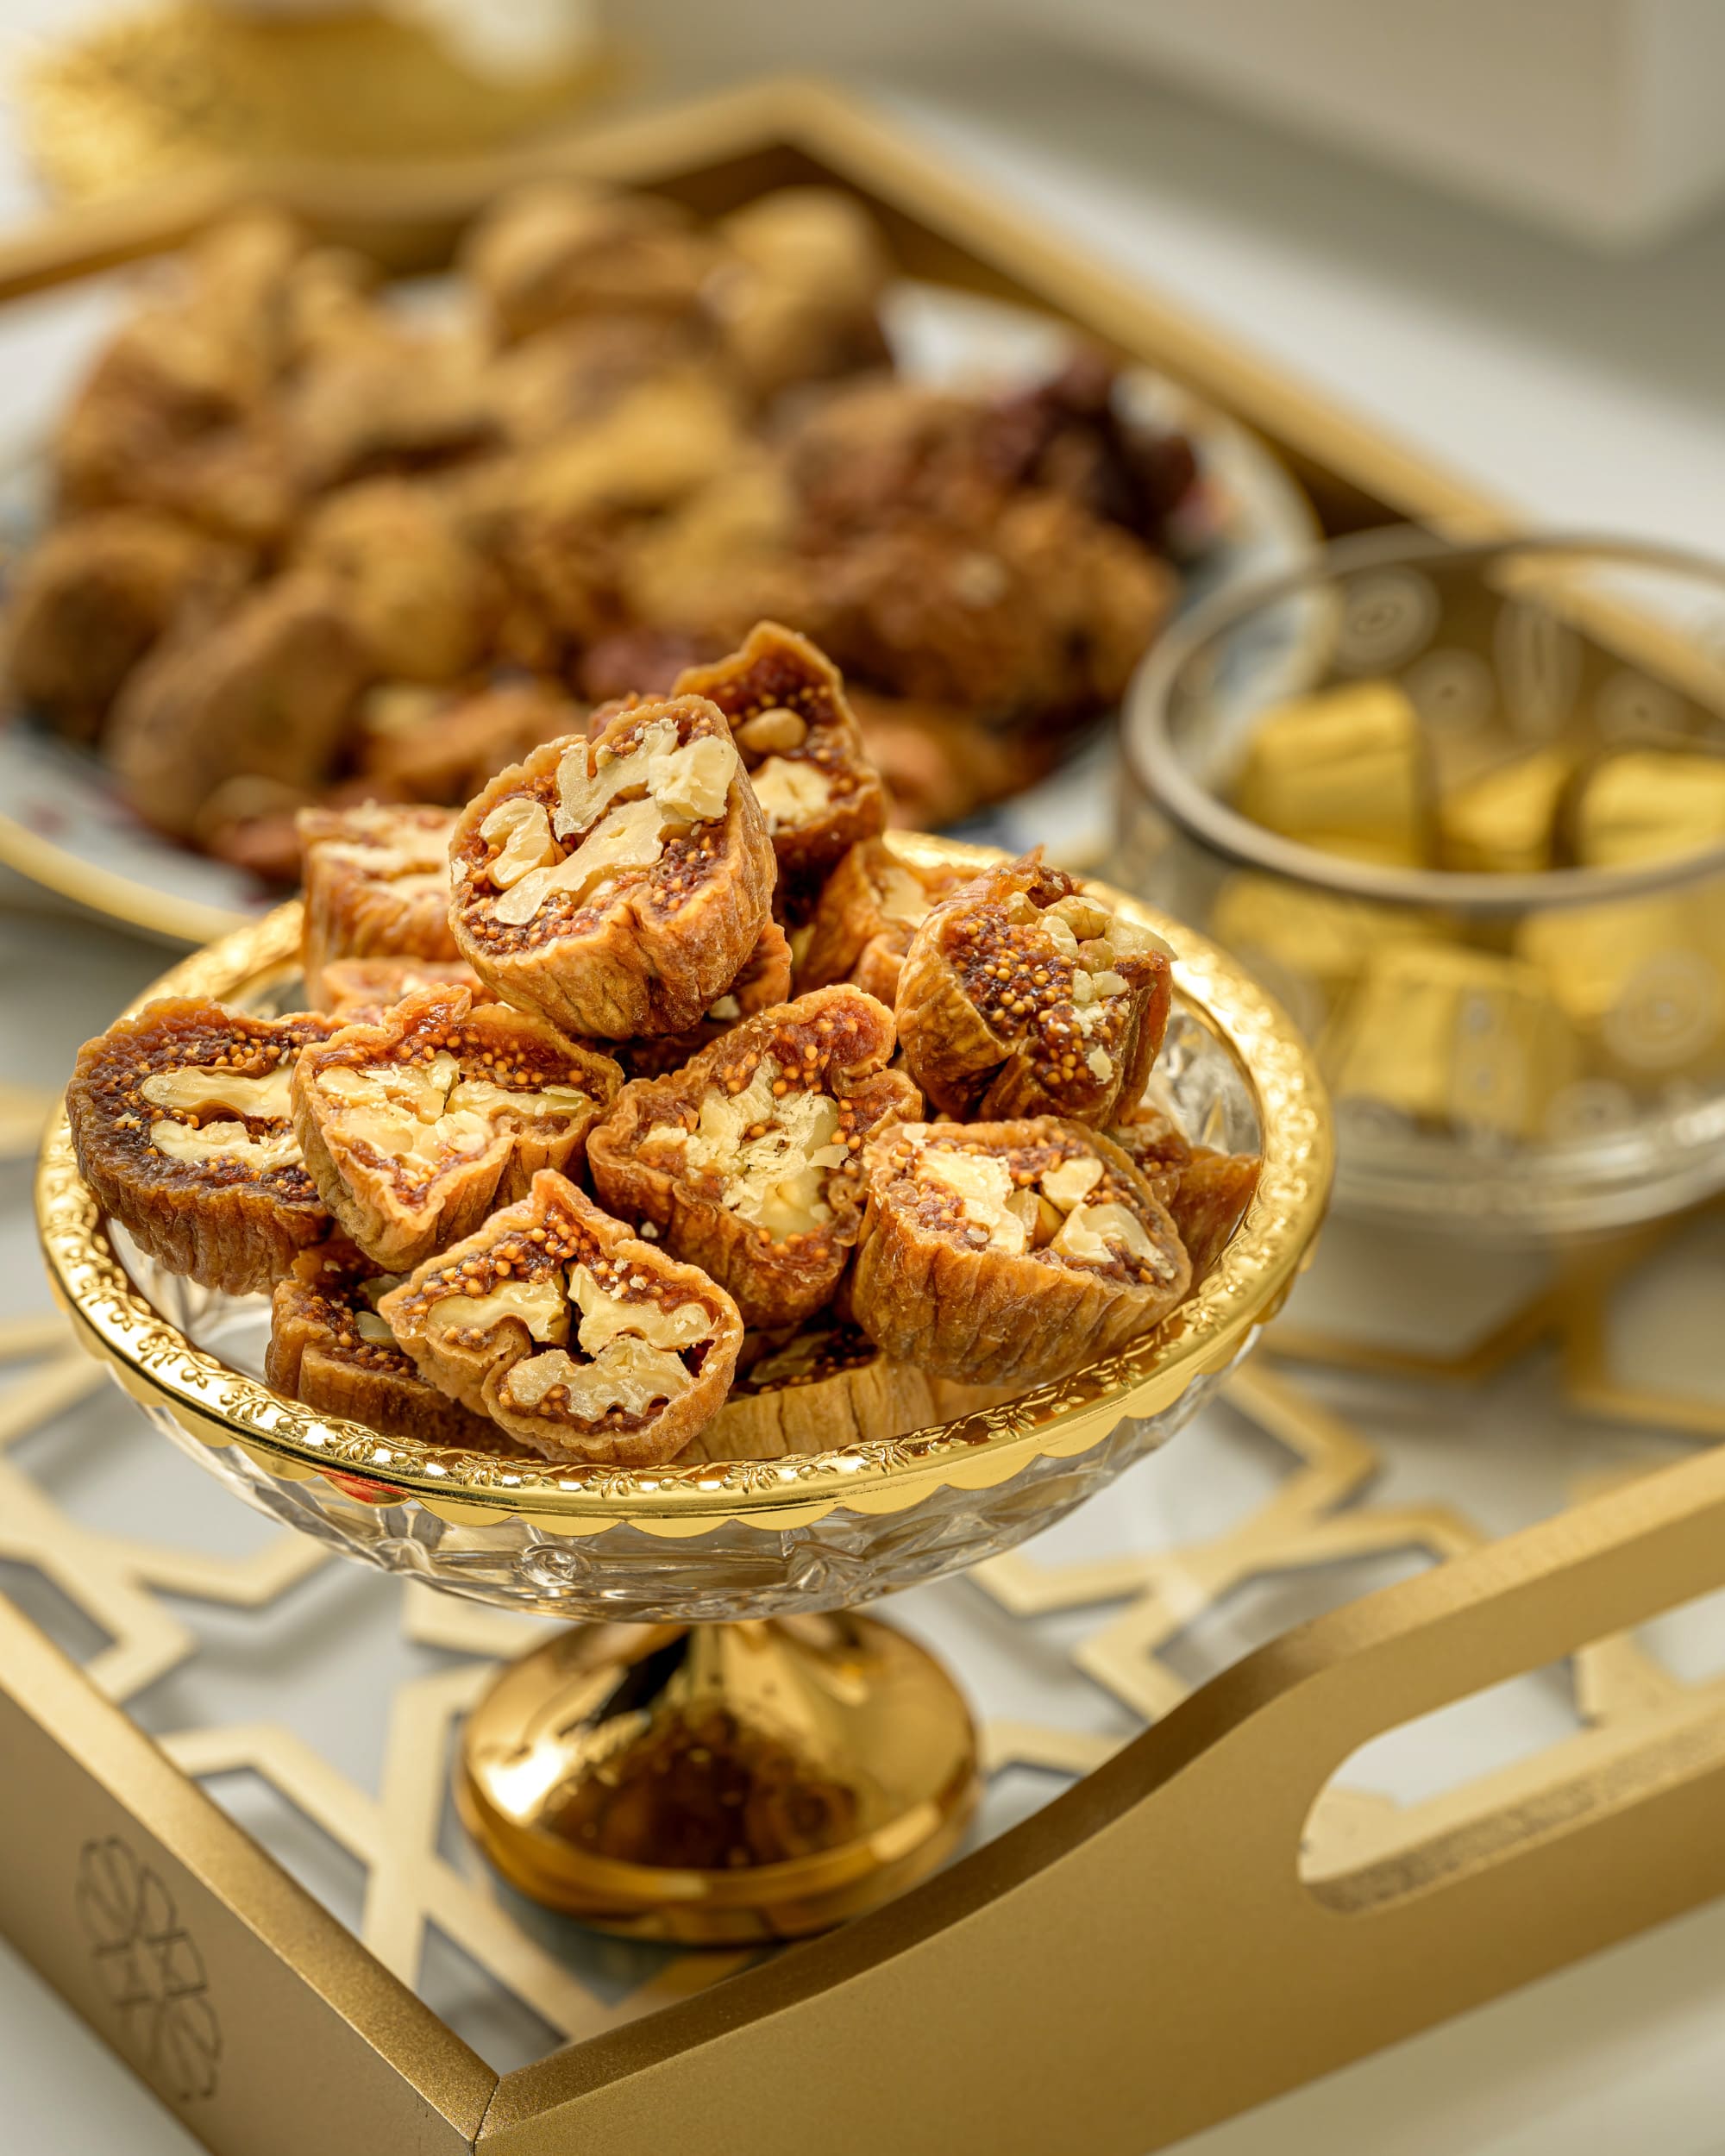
(152, 92)
(1463, 807)
(1340, 771)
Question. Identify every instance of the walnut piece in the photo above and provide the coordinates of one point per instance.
(179, 1117)
(617, 885)
(803, 749)
(1021, 996)
(580, 1339)
(377, 886)
(868, 911)
(330, 1350)
(417, 1127)
(748, 1161)
(1010, 1252)
(824, 1386)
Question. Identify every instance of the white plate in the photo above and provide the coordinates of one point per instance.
(64, 828)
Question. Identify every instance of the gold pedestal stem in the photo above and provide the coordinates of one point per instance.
(719, 1784)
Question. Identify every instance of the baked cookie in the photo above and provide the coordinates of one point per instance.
(330, 1350)
(1010, 1252)
(803, 749)
(417, 1126)
(179, 1117)
(748, 1162)
(582, 1340)
(377, 886)
(1021, 995)
(617, 885)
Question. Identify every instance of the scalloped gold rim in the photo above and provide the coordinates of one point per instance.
(156, 1364)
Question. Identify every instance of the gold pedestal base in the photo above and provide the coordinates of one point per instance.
(715, 1784)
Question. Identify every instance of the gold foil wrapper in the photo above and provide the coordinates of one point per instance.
(1288, 931)
(1342, 771)
(1453, 1038)
(1650, 805)
(1642, 980)
(1504, 822)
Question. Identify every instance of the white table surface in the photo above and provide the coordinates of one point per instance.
(1589, 391)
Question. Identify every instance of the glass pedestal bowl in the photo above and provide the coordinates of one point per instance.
(719, 1750)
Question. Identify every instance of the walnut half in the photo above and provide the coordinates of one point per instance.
(414, 1128)
(1022, 996)
(749, 1161)
(179, 1117)
(580, 1339)
(1010, 1252)
(616, 887)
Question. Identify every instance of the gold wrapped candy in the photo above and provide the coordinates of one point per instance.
(1642, 980)
(1650, 805)
(1315, 935)
(1340, 770)
(1453, 1037)
(1504, 822)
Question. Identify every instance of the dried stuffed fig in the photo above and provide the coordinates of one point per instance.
(749, 1161)
(1208, 1193)
(357, 988)
(377, 886)
(555, 249)
(423, 598)
(180, 1119)
(617, 885)
(796, 301)
(1021, 996)
(420, 746)
(416, 1127)
(825, 1386)
(804, 750)
(869, 910)
(1010, 1252)
(95, 596)
(266, 693)
(580, 1339)
(330, 1350)
(764, 980)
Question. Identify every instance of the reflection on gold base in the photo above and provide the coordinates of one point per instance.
(149, 92)
(719, 1784)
